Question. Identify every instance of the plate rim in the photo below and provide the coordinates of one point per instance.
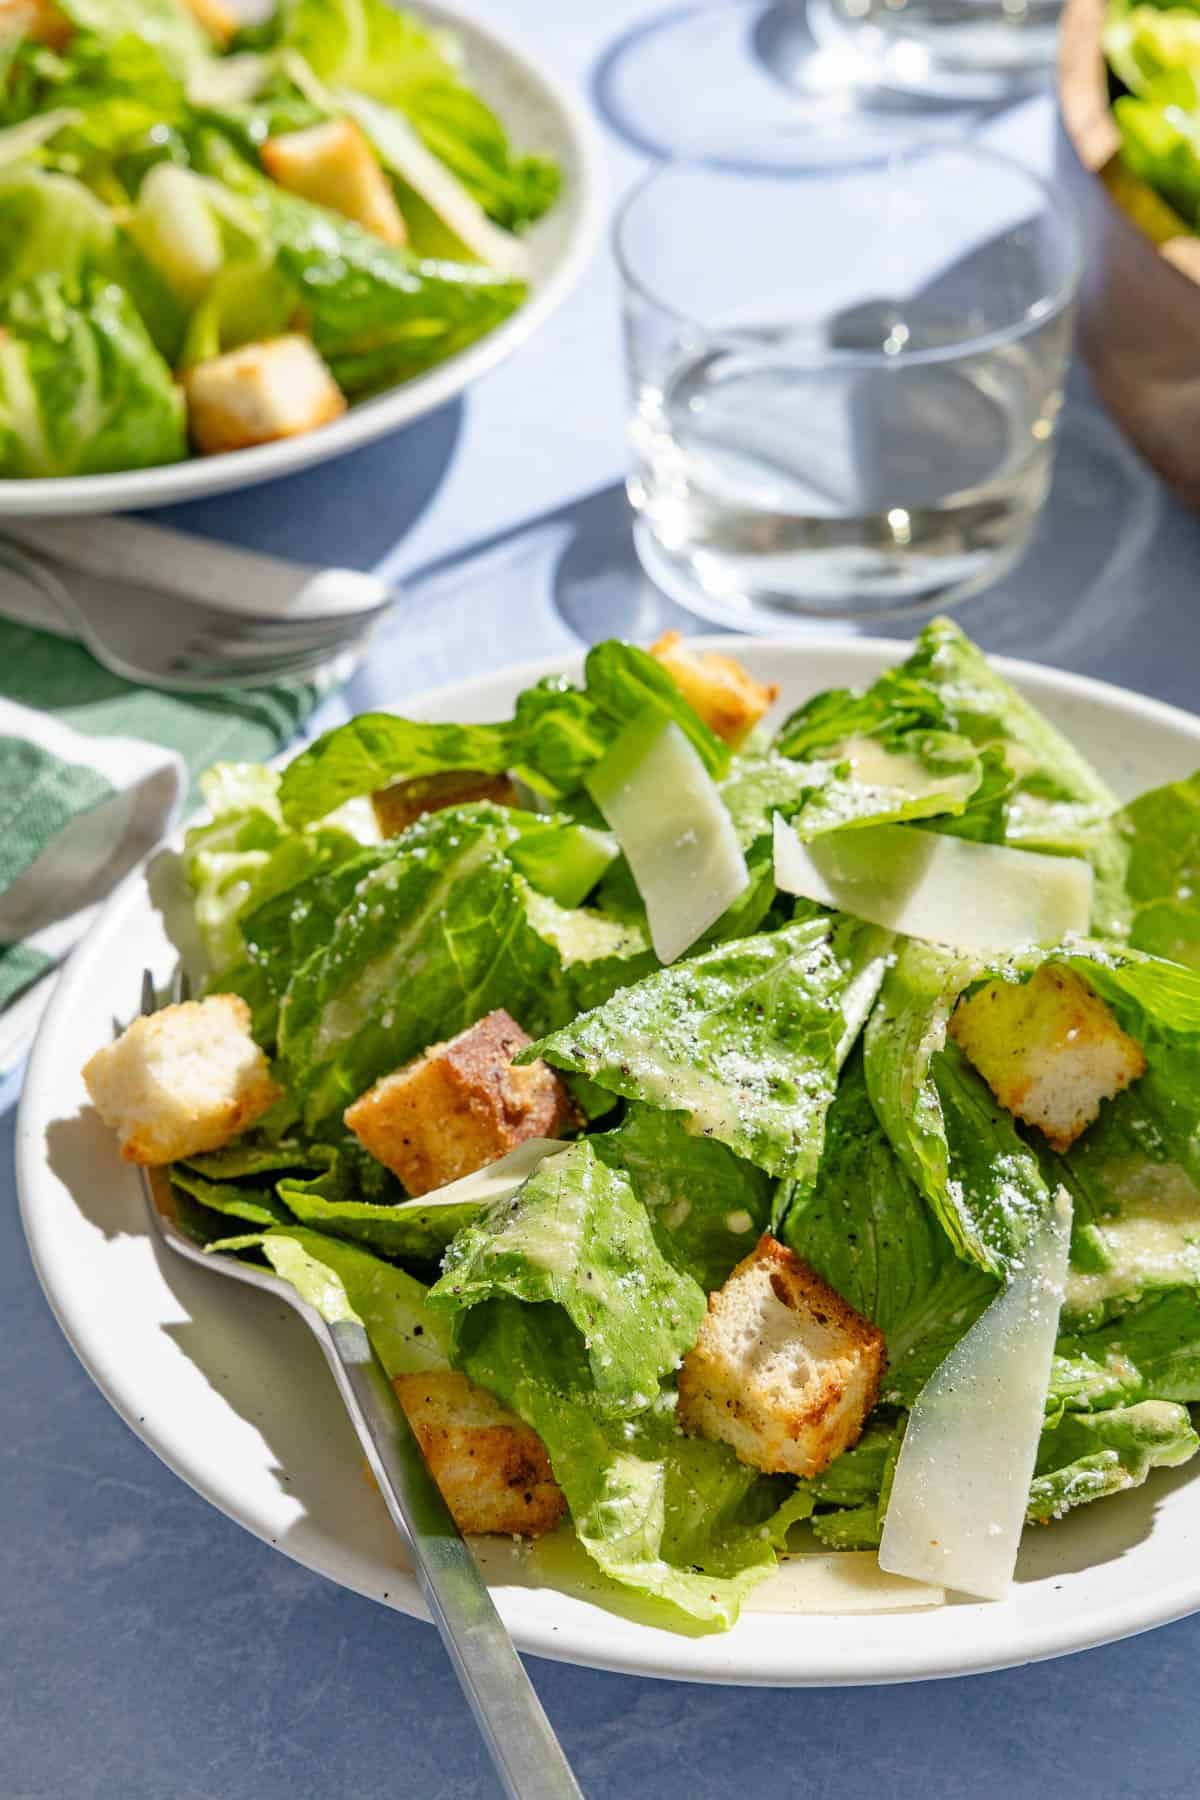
(740, 1664)
(198, 477)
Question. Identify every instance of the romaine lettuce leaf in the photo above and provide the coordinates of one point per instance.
(912, 775)
(434, 935)
(168, 25)
(1137, 1212)
(577, 1236)
(556, 734)
(744, 1040)
(377, 313)
(391, 55)
(1162, 831)
(82, 388)
(866, 1229)
(1152, 1352)
(50, 225)
(344, 1283)
(245, 855)
(956, 1143)
(257, 1205)
(1045, 797)
(674, 1518)
(1087, 1456)
(707, 1206)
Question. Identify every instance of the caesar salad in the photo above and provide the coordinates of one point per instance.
(735, 1136)
(214, 237)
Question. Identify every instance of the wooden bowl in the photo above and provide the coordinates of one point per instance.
(1139, 301)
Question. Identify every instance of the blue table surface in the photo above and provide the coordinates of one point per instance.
(156, 1651)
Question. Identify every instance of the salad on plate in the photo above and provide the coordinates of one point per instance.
(739, 1137)
(214, 237)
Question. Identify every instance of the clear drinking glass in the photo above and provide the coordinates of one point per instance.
(845, 381)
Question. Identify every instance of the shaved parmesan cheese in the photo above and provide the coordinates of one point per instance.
(498, 1180)
(840, 1581)
(971, 896)
(669, 819)
(957, 1506)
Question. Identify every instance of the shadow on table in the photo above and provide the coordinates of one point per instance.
(351, 511)
(1088, 594)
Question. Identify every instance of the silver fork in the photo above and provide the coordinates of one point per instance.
(520, 1738)
(172, 639)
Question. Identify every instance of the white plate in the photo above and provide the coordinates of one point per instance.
(233, 1394)
(540, 113)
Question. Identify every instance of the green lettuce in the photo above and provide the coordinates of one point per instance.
(1162, 831)
(257, 1205)
(867, 1230)
(346, 1284)
(377, 314)
(744, 1040)
(83, 390)
(1033, 790)
(434, 935)
(577, 1236)
(557, 733)
(393, 56)
(1087, 1456)
(675, 1519)
(707, 1206)
(1151, 1352)
(957, 1145)
(245, 855)
(168, 26)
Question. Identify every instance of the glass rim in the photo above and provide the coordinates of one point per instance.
(720, 160)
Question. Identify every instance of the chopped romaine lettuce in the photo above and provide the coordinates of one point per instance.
(744, 1040)
(707, 1206)
(576, 1235)
(335, 1202)
(1162, 830)
(434, 935)
(865, 1228)
(1087, 1456)
(673, 1518)
(393, 56)
(82, 388)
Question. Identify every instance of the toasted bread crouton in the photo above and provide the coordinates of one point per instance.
(333, 165)
(214, 17)
(459, 1106)
(259, 393)
(726, 695)
(784, 1370)
(182, 1080)
(398, 805)
(492, 1469)
(40, 20)
(1049, 1049)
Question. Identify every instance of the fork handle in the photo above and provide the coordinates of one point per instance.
(528, 1756)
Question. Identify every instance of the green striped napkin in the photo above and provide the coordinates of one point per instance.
(93, 770)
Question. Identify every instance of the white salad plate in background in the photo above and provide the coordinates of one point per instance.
(232, 1392)
(539, 113)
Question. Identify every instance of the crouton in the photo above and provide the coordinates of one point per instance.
(1049, 1049)
(492, 1469)
(333, 165)
(182, 1080)
(214, 17)
(784, 1371)
(259, 393)
(397, 806)
(40, 20)
(726, 695)
(459, 1106)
